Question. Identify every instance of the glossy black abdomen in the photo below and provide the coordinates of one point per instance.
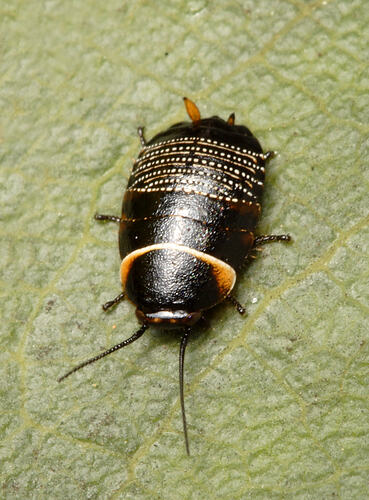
(198, 186)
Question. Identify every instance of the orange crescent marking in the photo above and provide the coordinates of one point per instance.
(223, 273)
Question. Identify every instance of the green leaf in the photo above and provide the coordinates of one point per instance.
(277, 402)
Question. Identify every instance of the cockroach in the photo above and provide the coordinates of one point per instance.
(189, 213)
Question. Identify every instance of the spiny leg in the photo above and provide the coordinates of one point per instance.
(110, 218)
(270, 238)
(269, 155)
(182, 349)
(120, 297)
(140, 132)
(236, 304)
(126, 342)
(113, 302)
(259, 240)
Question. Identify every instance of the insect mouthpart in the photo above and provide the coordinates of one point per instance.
(169, 319)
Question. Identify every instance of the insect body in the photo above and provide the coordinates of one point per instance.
(187, 226)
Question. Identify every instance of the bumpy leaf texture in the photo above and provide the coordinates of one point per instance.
(277, 401)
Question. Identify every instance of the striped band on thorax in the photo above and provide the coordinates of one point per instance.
(199, 165)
